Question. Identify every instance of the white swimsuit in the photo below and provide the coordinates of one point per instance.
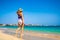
(20, 21)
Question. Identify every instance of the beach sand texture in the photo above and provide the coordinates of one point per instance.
(7, 34)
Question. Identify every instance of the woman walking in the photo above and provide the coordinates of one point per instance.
(20, 22)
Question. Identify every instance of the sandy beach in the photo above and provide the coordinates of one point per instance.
(8, 34)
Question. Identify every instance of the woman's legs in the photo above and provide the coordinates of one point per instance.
(22, 29)
(18, 29)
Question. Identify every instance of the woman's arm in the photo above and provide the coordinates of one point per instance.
(22, 19)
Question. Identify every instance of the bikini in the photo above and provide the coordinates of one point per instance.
(19, 19)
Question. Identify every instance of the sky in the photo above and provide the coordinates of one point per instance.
(43, 12)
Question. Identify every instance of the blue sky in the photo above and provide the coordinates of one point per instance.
(46, 12)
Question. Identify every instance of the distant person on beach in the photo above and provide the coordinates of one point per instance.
(20, 22)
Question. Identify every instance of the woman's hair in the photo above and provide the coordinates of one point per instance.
(19, 11)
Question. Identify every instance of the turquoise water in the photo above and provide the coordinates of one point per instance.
(45, 29)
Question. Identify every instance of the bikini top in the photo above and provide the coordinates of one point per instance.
(19, 17)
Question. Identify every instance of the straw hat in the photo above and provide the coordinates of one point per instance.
(20, 9)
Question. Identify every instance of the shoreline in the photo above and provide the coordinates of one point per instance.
(54, 33)
(45, 32)
(44, 35)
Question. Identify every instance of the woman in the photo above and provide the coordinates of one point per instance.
(20, 22)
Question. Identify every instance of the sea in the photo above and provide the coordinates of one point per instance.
(40, 29)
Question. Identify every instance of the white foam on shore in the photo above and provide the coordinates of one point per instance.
(3, 28)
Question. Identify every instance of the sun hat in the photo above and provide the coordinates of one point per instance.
(20, 9)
